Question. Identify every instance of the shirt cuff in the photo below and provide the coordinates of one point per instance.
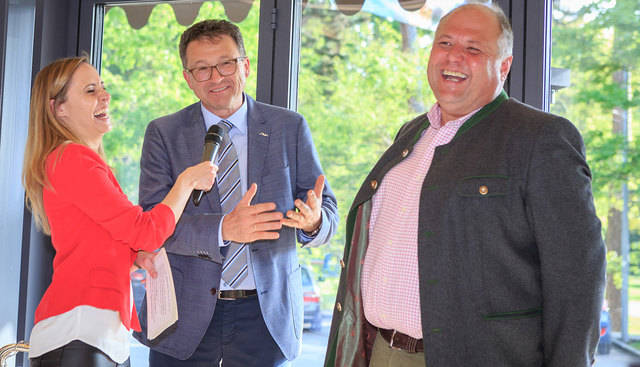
(308, 237)
(221, 242)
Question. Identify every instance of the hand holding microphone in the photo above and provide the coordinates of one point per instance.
(212, 142)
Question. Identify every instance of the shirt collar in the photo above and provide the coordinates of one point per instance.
(238, 118)
(435, 117)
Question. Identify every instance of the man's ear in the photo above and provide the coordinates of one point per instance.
(247, 69)
(187, 78)
(505, 66)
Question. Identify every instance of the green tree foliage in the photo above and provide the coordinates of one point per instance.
(143, 72)
(595, 42)
(357, 87)
(358, 84)
(598, 42)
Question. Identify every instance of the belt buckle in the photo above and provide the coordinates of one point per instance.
(226, 298)
(391, 341)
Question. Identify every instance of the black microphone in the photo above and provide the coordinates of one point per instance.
(211, 145)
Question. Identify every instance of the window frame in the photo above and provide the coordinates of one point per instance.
(278, 45)
(66, 28)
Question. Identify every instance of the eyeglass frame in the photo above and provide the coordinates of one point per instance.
(211, 67)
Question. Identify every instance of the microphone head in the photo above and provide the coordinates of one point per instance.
(214, 134)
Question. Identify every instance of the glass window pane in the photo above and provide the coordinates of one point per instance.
(142, 70)
(19, 36)
(361, 77)
(595, 63)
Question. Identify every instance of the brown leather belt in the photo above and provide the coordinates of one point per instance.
(234, 294)
(401, 341)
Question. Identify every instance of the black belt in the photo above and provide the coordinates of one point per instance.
(401, 341)
(236, 293)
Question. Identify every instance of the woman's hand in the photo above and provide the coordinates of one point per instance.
(145, 261)
(202, 175)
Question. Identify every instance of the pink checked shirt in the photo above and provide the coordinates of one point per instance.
(390, 290)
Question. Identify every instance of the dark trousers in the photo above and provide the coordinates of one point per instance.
(237, 336)
(76, 354)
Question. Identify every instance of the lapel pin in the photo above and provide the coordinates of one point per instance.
(263, 134)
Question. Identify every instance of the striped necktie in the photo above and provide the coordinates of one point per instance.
(234, 268)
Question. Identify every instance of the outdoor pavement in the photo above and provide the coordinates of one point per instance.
(618, 357)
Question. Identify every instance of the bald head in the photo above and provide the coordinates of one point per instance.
(505, 40)
(467, 67)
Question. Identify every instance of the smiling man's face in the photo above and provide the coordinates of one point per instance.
(465, 68)
(221, 95)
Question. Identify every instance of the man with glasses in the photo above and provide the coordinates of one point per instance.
(233, 256)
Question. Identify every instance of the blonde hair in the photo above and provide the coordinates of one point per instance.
(46, 132)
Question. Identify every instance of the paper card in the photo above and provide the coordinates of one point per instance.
(162, 307)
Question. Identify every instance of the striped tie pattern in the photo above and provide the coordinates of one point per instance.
(234, 268)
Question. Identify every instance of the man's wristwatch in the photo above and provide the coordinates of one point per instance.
(314, 232)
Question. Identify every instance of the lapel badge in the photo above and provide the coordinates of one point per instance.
(263, 134)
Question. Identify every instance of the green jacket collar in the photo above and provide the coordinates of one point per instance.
(474, 120)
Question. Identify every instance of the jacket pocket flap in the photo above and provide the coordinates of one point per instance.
(518, 314)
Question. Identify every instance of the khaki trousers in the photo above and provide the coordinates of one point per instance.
(385, 356)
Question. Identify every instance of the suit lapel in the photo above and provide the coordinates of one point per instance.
(258, 138)
(194, 135)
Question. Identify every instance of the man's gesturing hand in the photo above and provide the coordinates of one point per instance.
(309, 214)
(249, 223)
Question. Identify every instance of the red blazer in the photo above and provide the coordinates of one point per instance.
(96, 232)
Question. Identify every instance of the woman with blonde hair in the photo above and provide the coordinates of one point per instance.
(86, 313)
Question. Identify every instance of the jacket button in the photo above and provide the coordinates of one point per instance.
(374, 184)
(342, 263)
(405, 153)
(213, 291)
(338, 306)
(483, 190)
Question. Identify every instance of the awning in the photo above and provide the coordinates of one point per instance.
(414, 12)
(350, 7)
(186, 11)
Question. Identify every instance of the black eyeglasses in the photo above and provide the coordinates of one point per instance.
(225, 68)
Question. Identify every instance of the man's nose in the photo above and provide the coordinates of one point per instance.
(455, 53)
(215, 75)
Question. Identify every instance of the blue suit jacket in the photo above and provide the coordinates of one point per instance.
(282, 160)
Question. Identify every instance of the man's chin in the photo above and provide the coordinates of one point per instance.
(449, 98)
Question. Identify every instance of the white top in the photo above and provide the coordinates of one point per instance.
(100, 328)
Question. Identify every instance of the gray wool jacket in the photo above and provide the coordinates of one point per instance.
(510, 251)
